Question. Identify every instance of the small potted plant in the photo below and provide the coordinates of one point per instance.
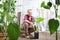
(36, 33)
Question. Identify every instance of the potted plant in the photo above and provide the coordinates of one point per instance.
(10, 29)
(52, 23)
(36, 28)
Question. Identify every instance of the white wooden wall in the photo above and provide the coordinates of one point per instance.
(23, 5)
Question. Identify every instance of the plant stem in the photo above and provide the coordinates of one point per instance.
(56, 36)
(7, 20)
(56, 17)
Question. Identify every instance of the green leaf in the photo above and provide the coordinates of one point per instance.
(35, 27)
(49, 4)
(13, 31)
(39, 19)
(0, 5)
(55, 6)
(53, 25)
(47, 7)
(11, 18)
(1, 28)
(43, 4)
(1, 20)
(5, 5)
(58, 16)
(4, 13)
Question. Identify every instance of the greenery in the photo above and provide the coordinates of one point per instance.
(49, 4)
(7, 15)
(37, 20)
(53, 25)
(13, 31)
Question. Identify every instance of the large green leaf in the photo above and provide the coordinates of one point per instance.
(45, 6)
(49, 4)
(53, 25)
(39, 19)
(13, 31)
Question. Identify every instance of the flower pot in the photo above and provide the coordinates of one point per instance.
(1, 36)
(36, 35)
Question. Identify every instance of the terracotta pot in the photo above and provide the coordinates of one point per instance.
(1, 36)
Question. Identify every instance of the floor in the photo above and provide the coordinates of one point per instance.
(44, 36)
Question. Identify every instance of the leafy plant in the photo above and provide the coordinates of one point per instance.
(13, 31)
(53, 24)
(6, 19)
(38, 20)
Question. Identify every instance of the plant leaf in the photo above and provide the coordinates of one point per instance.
(5, 5)
(53, 25)
(47, 7)
(4, 13)
(43, 4)
(0, 5)
(39, 19)
(58, 16)
(11, 18)
(13, 31)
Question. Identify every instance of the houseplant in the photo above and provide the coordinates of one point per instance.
(7, 16)
(52, 23)
(36, 32)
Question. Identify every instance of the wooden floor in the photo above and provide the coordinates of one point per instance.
(44, 36)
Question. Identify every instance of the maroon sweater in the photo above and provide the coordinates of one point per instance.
(29, 18)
